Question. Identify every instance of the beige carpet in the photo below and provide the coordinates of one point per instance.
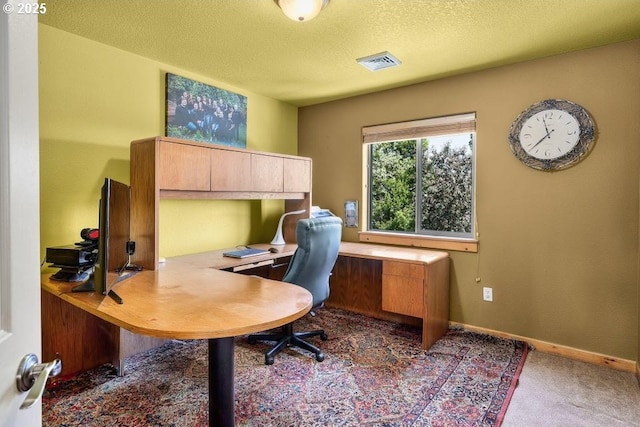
(556, 391)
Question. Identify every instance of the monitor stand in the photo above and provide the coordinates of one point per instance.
(115, 296)
(89, 286)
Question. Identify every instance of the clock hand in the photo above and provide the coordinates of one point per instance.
(543, 138)
(545, 126)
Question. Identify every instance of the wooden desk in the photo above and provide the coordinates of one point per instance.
(185, 302)
(399, 284)
(407, 285)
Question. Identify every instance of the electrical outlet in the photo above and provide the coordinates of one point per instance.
(487, 294)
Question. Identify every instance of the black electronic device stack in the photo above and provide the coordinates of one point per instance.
(75, 261)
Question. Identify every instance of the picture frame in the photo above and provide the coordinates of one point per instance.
(204, 113)
(351, 213)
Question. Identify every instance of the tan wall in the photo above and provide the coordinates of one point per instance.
(94, 100)
(560, 250)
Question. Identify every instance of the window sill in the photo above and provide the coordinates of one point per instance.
(431, 242)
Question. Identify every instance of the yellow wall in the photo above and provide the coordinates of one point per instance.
(94, 100)
(560, 250)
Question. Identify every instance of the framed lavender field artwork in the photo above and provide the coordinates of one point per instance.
(204, 113)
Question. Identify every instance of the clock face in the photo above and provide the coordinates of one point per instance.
(552, 135)
(549, 134)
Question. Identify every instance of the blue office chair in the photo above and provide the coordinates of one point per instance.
(310, 267)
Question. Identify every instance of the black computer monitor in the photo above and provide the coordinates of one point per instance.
(113, 255)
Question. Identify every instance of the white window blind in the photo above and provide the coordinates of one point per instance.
(414, 129)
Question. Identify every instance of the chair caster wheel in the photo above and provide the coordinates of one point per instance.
(320, 357)
(323, 337)
(268, 360)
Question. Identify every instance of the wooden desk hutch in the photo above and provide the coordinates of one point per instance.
(169, 168)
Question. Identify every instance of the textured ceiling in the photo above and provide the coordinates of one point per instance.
(250, 44)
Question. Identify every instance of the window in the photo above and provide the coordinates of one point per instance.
(421, 177)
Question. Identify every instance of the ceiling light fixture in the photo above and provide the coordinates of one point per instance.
(301, 10)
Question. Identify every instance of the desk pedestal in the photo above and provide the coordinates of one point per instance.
(404, 285)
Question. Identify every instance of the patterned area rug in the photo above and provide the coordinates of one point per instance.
(374, 374)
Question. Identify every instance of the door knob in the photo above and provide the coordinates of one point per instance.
(32, 376)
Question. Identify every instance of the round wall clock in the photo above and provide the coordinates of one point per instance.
(552, 135)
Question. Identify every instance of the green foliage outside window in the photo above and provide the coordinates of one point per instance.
(445, 205)
(447, 189)
(393, 186)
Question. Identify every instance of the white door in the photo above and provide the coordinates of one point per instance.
(19, 210)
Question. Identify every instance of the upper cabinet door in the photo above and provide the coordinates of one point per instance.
(267, 173)
(230, 170)
(297, 175)
(184, 167)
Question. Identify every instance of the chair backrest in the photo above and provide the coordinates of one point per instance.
(313, 260)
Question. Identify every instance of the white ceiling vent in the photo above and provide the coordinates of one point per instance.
(379, 61)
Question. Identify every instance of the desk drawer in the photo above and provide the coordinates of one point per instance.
(253, 265)
(403, 288)
(404, 269)
(273, 269)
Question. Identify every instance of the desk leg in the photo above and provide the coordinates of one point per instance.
(221, 387)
